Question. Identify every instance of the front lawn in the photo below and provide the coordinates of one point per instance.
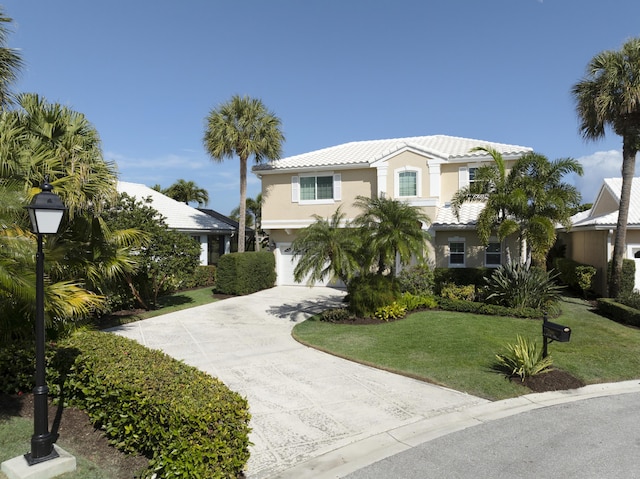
(457, 350)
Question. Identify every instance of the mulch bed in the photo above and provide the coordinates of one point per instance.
(553, 380)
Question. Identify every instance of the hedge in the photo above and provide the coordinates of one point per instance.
(187, 423)
(462, 306)
(246, 273)
(618, 312)
(461, 276)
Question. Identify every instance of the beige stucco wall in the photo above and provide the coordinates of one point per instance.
(276, 192)
(474, 249)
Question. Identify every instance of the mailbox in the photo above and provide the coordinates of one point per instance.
(556, 332)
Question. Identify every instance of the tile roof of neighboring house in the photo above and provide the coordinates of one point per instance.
(469, 213)
(177, 215)
(610, 219)
(366, 152)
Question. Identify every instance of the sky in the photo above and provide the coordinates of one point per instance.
(146, 73)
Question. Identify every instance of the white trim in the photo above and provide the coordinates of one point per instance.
(381, 171)
(463, 177)
(434, 177)
(295, 189)
(396, 181)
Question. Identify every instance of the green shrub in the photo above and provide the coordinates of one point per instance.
(17, 367)
(394, 310)
(335, 315)
(460, 276)
(246, 273)
(523, 359)
(619, 312)
(628, 275)
(577, 276)
(369, 292)
(187, 423)
(202, 277)
(418, 280)
(462, 306)
(413, 302)
(517, 285)
(453, 291)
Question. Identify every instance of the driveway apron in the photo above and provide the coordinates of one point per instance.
(303, 403)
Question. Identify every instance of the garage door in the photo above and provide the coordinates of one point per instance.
(285, 264)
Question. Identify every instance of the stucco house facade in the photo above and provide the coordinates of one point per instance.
(423, 171)
(213, 231)
(591, 238)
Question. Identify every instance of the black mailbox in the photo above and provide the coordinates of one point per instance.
(556, 332)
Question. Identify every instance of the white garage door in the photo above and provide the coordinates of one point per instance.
(285, 265)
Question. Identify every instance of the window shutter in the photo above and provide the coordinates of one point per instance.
(337, 187)
(295, 189)
(463, 177)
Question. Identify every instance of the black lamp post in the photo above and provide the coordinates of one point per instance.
(46, 210)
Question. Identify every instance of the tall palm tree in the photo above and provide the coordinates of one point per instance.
(393, 230)
(548, 200)
(609, 95)
(327, 248)
(187, 191)
(10, 62)
(243, 127)
(493, 185)
(253, 218)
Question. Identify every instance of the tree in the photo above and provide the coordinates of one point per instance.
(243, 127)
(327, 249)
(187, 191)
(253, 217)
(10, 63)
(609, 96)
(548, 201)
(393, 230)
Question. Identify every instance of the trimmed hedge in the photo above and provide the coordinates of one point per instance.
(187, 423)
(462, 306)
(246, 273)
(618, 312)
(461, 276)
(628, 275)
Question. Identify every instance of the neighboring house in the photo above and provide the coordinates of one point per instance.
(212, 231)
(591, 238)
(424, 171)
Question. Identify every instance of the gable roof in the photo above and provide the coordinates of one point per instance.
(601, 218)
(178, 216)
(447, 148)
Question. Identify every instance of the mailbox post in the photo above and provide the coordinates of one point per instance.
(553, 332)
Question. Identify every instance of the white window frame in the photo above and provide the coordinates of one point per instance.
(464, 253)
(296, 188)
(493, 241)
(396, 185)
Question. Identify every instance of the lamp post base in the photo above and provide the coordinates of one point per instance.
(18, 468)
(37, 460)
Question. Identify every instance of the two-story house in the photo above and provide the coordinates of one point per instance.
(424, 171)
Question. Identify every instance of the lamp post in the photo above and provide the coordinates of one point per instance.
(46, 210)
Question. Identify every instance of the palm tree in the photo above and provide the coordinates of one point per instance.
(243, 127)
(493, 185)
(327, 248)
(549, 201)
(187, 191)
(393, 231)
(253, 218)
(10, 62)
(609, 95)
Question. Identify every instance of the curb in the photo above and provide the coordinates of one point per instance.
(350, 458)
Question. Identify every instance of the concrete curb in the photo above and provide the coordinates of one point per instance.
(350, 458)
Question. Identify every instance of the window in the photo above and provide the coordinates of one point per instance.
(493, 254)
(472, 174)
(315, 189)
(407, 183)
(456, 253)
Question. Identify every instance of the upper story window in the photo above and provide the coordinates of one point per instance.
(472, 174)
(316, 188)
(407, 182)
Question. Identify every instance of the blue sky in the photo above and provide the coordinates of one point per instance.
(147, 72)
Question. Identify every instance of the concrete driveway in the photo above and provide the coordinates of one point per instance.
(305, 404)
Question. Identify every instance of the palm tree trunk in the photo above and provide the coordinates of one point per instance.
(243, 204)
(628, 170)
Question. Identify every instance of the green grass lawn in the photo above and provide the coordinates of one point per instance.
(458, 350)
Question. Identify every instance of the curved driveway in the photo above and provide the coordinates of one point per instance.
(304, 403)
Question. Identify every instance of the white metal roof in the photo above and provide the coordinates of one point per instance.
(179, 216)
(613, 187)
(448, 148)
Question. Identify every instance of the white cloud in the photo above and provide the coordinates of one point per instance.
(600, 165)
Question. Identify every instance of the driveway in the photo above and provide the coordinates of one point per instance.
(304, 403)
